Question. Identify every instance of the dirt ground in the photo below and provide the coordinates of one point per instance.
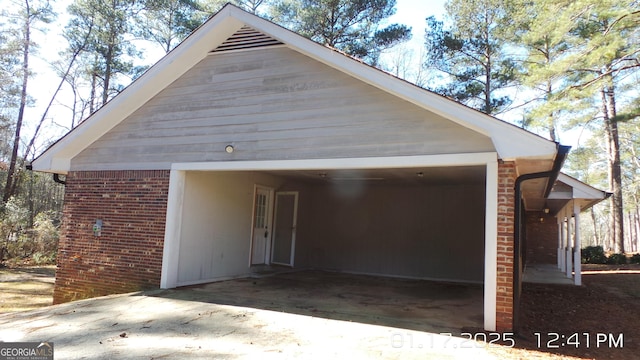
(606, 308)
(26, 288)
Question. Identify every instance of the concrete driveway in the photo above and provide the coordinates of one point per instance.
(190, 323)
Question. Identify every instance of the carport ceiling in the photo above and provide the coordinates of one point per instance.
(428, 175)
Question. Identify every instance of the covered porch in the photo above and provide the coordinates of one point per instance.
(567, 200)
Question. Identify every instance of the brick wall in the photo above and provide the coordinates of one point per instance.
(128, 254)
(542, 238)
(506, 195)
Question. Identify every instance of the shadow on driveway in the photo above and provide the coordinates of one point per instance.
(409, 304)
(239, 319)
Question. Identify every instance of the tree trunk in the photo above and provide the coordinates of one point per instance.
(632, 234)
(596, 234)
(636, 224)
(549, 90)
(72, 61)
(614, 167)
(12, 179)
(488, 55)
(107, 75)
(92, 95)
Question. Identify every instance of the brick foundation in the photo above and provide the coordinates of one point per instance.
(128, 254)
(506, 195)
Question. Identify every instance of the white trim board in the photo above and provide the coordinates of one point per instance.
(344, 163)
(172, 232)
(491, 247)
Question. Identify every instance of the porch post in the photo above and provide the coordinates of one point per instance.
(568, 249)
(576, 255)
(563, 245)
(491, 247)
(171, 252)
(559, 251)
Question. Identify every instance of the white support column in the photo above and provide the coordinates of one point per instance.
(170, 254)
(563, 244)
(577, 278)
(559, 252)
(569, 255)
(491, 247)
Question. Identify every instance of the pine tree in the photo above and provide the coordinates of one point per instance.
(352, 26)
(472, 53)
(109, 51)
(611, 53)
(20, 47)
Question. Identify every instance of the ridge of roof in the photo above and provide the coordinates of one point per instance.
(510, 141)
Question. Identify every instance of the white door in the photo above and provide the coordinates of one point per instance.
(261, 221)
(284, 228)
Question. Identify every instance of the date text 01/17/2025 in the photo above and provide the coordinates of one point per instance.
(554, 340)
(463, 340)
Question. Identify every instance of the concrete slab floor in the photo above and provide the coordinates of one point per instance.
(198, 323)
(438, 307)
(545, 274)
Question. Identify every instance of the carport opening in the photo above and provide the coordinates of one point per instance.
(394, 225)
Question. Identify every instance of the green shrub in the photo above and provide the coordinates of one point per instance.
(635, 259)
(617, 259)
(593, 255)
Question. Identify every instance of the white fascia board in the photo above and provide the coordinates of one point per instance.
(560, 195)
(390, 162)
(510, 141)
(582, 190)
(589, 194)
(192, 50)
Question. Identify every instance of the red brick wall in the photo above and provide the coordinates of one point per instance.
(128, 254)
(542, 238)
(506, 195)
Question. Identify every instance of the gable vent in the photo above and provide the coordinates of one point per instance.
(246, 38)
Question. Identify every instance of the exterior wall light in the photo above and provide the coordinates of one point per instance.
(229, 149)
(97, 228)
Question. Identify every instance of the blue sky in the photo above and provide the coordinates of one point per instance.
(414, 12)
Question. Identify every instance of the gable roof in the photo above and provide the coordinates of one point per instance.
(218, 33)
(566, 189)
